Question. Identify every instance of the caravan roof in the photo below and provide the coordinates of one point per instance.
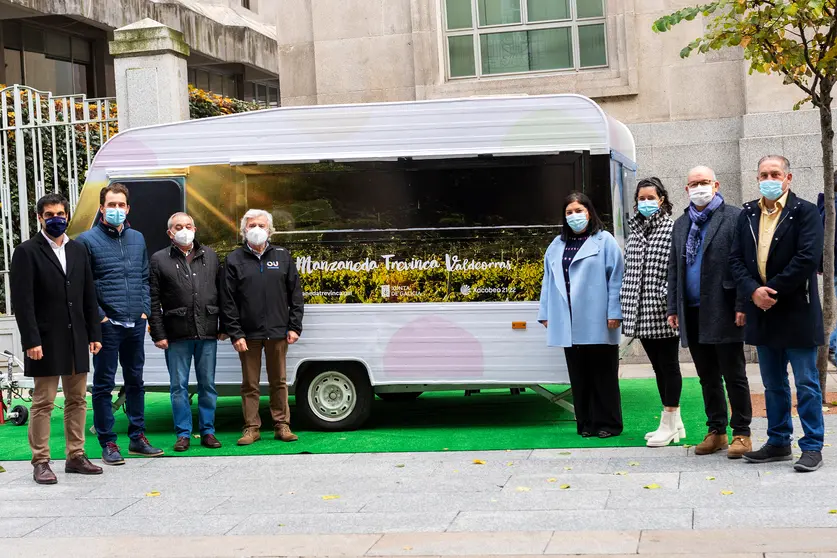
(511, 125)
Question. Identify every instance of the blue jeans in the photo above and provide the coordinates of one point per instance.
(832, 341)
(120, 346)
(179, 362)
(777, 396)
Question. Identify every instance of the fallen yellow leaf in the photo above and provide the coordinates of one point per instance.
(408, 548)
(400, 466)
(552, 480)
(331, 497)
(2, 470)
(827, 445)
(687, 445)
(726, 492)
(633, 463)
(152, 494)
(710, 478)
(568, 468)
(652, 486)
(510, 464)
(832, 512)
(564, 486)
(523, 489)
(479, 462)
(621, 473)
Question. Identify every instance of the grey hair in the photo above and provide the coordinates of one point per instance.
(704, 167)
(252, 214)
(178, 214)
(785, 163)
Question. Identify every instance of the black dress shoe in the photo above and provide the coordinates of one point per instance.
(82, 466)
(43, 474)
(605, 434)
(586, 434)
(182, 443)
(210, 441)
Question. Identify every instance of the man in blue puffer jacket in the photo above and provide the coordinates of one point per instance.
(119, 259)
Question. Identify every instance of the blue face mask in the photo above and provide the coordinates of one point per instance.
(577, 222)
(771, 189)
(647, 208)
(115, 216)
(55, 226)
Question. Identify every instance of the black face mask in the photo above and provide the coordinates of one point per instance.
(55, 226)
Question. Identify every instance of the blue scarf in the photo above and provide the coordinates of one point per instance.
(699, 218)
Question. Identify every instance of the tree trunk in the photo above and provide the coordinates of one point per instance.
(827, 137)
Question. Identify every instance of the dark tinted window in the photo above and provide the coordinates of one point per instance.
(152, 203)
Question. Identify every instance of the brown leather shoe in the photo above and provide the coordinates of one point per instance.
(739, 446)
(43, 474)
(712, 443)
(182, 443)
(249, 436)
(81, 465)
(210, 441)
(283, 432)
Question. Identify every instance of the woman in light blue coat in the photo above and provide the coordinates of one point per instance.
(581, 312)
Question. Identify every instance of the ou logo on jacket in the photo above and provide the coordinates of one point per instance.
(273, 265)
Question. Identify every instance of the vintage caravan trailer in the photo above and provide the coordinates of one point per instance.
(418, 229)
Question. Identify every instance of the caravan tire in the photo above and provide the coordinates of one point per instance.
(335, 396)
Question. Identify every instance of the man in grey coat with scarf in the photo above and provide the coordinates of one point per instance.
(703, 302)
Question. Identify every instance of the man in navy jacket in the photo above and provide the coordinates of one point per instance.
(777, 250)
(119, 260)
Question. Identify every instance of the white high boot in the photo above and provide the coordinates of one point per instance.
(667, 433)
(680, 427)
(649, 435)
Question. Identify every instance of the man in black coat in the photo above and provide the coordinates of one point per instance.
(184, 323)
(54, 301)
(778, 248)
(262, 305)
(702, 302)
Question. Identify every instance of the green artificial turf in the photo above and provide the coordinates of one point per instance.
(442, 421)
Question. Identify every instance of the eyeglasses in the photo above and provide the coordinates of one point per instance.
(700, 183)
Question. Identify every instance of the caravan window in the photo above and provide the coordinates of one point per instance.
(446, 230)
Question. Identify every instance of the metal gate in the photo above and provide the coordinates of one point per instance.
(48, 143)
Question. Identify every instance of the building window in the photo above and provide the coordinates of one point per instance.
(500, 37)
(245, 4)
(47, 60)
(220, 84)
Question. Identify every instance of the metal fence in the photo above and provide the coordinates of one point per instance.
(48, 143)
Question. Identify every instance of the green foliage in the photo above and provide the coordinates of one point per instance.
(204, 104)
(794, 38)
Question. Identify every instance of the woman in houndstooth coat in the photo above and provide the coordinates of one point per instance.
(644, 301)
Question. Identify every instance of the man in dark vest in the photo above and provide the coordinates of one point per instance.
(54, 301)
(119, 260)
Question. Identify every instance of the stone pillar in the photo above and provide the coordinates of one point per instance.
(151, 76)
(297, 61)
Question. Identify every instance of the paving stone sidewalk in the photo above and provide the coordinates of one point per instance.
(554, 501)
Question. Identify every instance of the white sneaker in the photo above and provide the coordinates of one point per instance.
(667, 433)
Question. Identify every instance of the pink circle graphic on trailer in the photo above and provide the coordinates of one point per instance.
(432, 347)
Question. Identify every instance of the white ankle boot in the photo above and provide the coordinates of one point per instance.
(668, 431)
(680, 427)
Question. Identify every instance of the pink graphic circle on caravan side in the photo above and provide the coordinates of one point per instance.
(432, 347)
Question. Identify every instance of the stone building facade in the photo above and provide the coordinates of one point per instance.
(702, 110)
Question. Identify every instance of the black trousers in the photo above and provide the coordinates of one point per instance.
(718, 365)
(594, 378)
(664, 355)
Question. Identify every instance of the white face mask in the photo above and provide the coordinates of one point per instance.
(257, 236)
(701, 195)
(184, 237)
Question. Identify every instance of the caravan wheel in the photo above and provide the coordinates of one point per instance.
(335, 396)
